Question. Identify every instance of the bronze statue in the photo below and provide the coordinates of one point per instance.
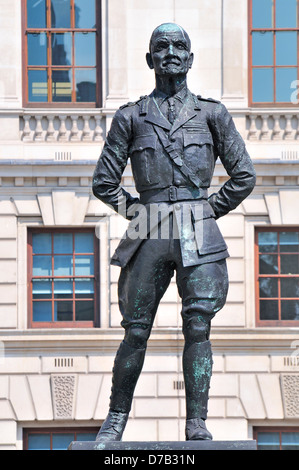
(173, 139)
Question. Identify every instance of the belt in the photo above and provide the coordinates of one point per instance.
(172, 194)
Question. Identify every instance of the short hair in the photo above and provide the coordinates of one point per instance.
(165, 27)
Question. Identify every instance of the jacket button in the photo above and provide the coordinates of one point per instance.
(172, 139)
(177, 206)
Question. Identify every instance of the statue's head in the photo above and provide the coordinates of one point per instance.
(169, 50)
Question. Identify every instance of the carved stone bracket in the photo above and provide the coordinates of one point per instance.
(63, 388)
(290, 393)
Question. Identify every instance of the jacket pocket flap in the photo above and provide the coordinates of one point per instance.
(202, 211)
(197, 138)
(143, 142)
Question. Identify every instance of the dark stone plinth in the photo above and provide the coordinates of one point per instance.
(164, 445)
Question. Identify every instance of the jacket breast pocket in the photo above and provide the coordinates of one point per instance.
(198, 153)
(144, 159)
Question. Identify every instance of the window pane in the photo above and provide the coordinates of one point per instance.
(42, 311)
(267, 242)
(36, 14)
(63, 310)
(85, 310)
(262, 48)
(85, 49)
(85, 85)
(63, 265)
(269, 309)
(84, 243)
(37, 49)
(262, 13)
(41, 243)
(286, 13)
(289, 264)
(60, 13)
(289, 242)
(63, 243)
(284, 79)
(62, 441)
(268, 264)
(61, 49)
(63, 289)
(262, 85)
(85, 14)
(39, 442)
(290, 309)
(42, 265)
(289, 287)
(268, 287)
(268, 440)
(37, 86)
(61, 86)
(84, 288)
(42, 289)
(84, 265)
(290, 440)
(286, 48)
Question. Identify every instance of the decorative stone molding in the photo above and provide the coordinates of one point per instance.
(272, 125)
(290, 393)
(42, 127)
(63, 395)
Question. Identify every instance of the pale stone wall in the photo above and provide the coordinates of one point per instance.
(47, 159)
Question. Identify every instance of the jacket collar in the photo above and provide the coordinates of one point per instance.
(155, 116)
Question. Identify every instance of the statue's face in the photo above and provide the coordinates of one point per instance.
(170, 52)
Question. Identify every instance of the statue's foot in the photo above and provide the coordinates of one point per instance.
(113, 427)
(196, 430)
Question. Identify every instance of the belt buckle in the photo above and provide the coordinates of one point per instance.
(173, 194)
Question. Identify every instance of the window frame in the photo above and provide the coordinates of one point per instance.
(271, 323)
(274, 429)
(268, 104)
(51, 431)
(62, 324)
(25, 66)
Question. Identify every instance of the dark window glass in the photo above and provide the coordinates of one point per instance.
(63, 277)
(36, 14)
(278, 275)
(277, 439)
(274, 52)
(61, 51)
(55, 439)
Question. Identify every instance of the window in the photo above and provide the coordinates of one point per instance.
(273, 51)
(62, 278)
(56, 439)
(61, 52)
(277, 439)
(277, 280)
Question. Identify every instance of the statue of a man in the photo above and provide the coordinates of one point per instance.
(173, 139)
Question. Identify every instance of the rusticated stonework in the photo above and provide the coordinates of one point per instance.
(290, 393)
(63, 394)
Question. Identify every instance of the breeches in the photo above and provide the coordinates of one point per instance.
(143, 282)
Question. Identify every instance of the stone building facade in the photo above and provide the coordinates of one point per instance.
(58, 378)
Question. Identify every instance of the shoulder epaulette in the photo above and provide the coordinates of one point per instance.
(207, 99)
(132, 103)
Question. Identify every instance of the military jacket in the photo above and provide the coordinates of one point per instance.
(174, 163)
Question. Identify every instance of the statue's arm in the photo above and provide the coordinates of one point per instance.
(231, 149)
(107, 176)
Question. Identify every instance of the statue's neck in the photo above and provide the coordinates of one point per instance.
(171, 85)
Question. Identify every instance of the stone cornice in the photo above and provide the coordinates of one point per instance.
(235, 340)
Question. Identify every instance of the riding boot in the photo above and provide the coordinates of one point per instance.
(126, 370)
(197, 367)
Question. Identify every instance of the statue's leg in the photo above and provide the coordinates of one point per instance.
(141, 285)
(203, 290)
